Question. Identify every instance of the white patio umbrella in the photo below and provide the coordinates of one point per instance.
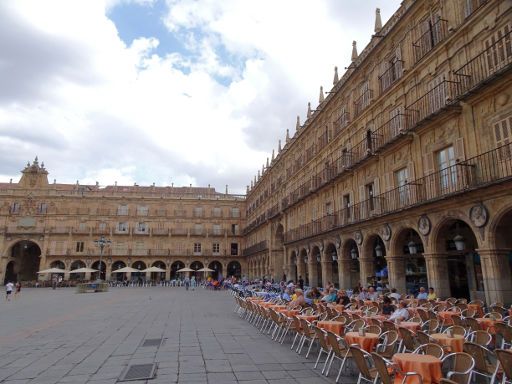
(83, 270)
(186, 269)
(126, 269)
(52, 270)
(205, 269)
(153, 269)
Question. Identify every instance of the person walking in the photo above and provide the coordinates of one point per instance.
(17, 293)
(8, 290)
(193, 283)
(187, 283)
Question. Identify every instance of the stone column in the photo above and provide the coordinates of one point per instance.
(168, 272)
(344, 273)
(312, 272)
(396, 272)
(300, 269)
(326, 266)
(497, 275)
(437, 273)
(366, 270)
(108, 270)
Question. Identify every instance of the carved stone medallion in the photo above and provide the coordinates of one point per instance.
(358, 237)
(479, 215)
(424, 225)
(386, 232)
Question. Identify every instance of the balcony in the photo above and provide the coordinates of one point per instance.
(140, 252)
(121, 231)
(120, 252)
(159, 252)
(160, 231)
(81, 231)
(179, 231)
(101, 231)
(341, 122)
(141, 231)
(390, 76)
(435, 33)
(487, 64)
(60, 230)
(258, 247)
(480, 171)
(197, 232)
(13, 229)
(363, 102)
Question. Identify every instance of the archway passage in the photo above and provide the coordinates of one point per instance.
(235, 269)
(139, 276)
(196, 265)
(177, 265)
(25, 264)
(217, 270)
(77, 264)
(463, 268)
(332, 265)
(158, 276)
(497, 273)
(102, 268)
(409, 270)
(118, 276)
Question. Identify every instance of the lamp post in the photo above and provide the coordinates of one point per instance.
(102, 243)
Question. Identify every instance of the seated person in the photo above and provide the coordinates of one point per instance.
(387, 307)
(313, 294)
(299, 300)
(395, 295)
(342, 298)
(422, 295)
(286, 295)
(372, 294)
(431, 294)
(330, 297)
(401, 314)
(363, 295)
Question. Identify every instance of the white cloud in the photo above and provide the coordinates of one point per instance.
(95, 108)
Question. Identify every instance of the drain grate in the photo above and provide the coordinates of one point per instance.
(152, 343)
(138, 372)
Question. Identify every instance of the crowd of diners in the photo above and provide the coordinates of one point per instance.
(385, 336)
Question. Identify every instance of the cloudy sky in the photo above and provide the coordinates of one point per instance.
(165, 91)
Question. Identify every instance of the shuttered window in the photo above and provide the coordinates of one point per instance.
(503, 135)
(499, 49)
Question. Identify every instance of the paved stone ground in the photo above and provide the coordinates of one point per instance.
(58, 336)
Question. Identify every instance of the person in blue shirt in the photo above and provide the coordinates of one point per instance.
(423, 294)
(330, 297)
(286, 295)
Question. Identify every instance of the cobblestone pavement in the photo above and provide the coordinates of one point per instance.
(58, 336)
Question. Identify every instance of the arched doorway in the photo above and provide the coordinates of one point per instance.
(77, 264)
(350, 270)
(410, 271)
(463, 268)
(374, 270)
(102, 269)
(316, 272)
(25, 264)
(139, 276)
(217, 270)
(497, 274)
(235, 269)
(332, 264)
(177, 265)
(197, 265)
(158, 276)
(118, 276)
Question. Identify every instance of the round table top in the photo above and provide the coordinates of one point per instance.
(368, 335)
(416, 357)
(439, 336)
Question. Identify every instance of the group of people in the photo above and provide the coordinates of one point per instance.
(9, 287)
(295, 295)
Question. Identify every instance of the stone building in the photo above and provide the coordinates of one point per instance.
(401, 175)
(56, 225)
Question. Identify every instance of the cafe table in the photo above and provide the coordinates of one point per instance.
(429, 367)
(288, 312)
(337, 307)
(487, 324)
(366, 342)
(309, 318)
(477, 308)
(410, 325)
(455, 343)
(336, 327)
(447, 316)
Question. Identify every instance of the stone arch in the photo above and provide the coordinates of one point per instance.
(158, 276)
(24, 261)
(101, 267)
(314, 265)
(302, 266)
(349, 268)
(330, 256)
(457, 264)
(217, 269)
(196, 265)
(77, 264)
(373, 263)
(140, 266)
(293, 270)
(119, 276)
(499, 229)
(234, 269)
(175, 266)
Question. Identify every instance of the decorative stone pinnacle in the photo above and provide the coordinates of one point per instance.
(309, 110)
(354, 50)
(287, 135)
(336, 78)
(321, 97)
(297, 125)
(378, 21)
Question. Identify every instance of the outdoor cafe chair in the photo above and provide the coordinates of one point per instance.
(387, 344)
(458, 367)
(323, 347)
(365, 365)
(387, 370)
(431, 349)
(485, 360)
(339, 350)
(480, 337)
(505, 364)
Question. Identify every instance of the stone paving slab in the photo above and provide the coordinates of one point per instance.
(57, 336)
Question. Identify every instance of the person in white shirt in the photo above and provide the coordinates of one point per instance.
(372, 295)
(395, 295)
(401, 314)
(8, 290)
(423, 294)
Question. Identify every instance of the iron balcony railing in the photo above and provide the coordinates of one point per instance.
(258, 247)
(392, 74)
(476, 172)
(363, 102)
(485, 65)
(435, 32)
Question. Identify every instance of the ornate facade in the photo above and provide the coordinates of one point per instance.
(401, 176)
(55, 225)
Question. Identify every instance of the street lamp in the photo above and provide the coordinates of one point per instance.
(102, 243)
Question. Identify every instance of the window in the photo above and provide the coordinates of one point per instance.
(445, 164)
(346, 158)
(43, 208)
(234, 249)
(346, 205)
(344, 118)
(369, 188)
(197, 248)
(499, 49)
(198, 212)
(15, 207)
(82, 226)
(142, 210)
(329, 208)
(401, 177)
(473, 5)
(122, 210)
(391, 70)
(364, 99)
(396, 124)
(79, 246)
(198, 229)
(102, 226)
(503, 136)
(142, 227)
(235, 212)
(122, 226)
(234, 229)
(432, 30)
(216, 229)
(216, 248)
(436, 95)
(217, 212)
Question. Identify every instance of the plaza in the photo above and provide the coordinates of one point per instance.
(58, 336)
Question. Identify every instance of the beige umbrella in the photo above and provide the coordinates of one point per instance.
(205, 269)
(83, 270)
(52, 270)
(153, 269)
(126, 269)
(186, 269)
